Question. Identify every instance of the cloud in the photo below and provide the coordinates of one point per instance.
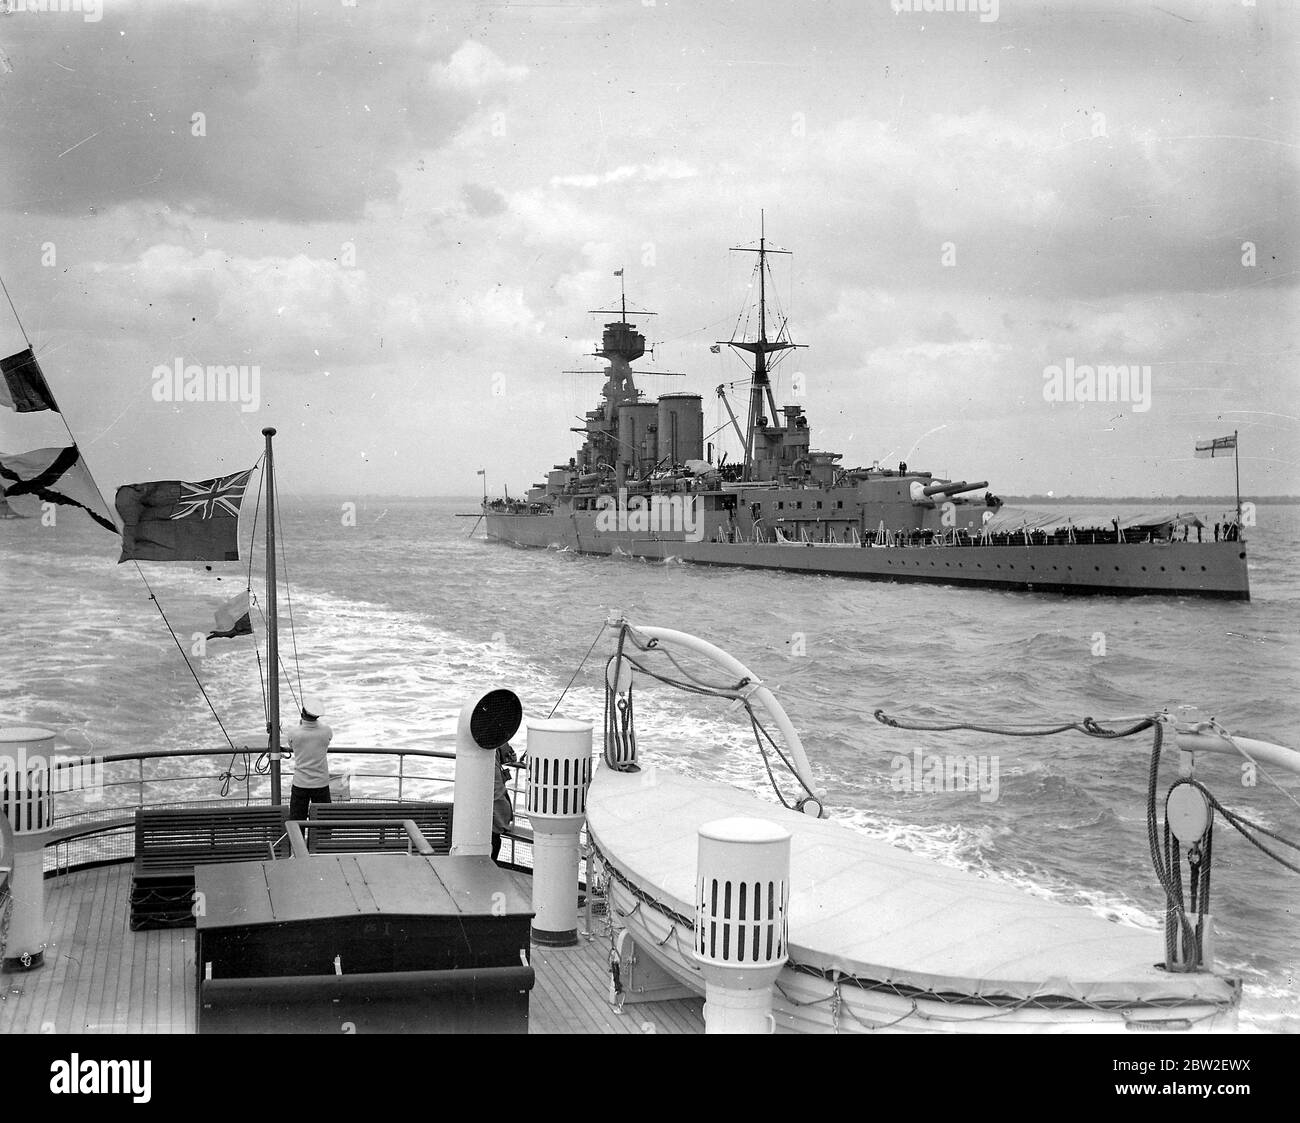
(499, 310)
(483, 202)
(302, 121)
(648, 173)
(294, 313)
(474, 67)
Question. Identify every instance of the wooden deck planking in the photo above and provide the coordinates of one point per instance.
(100, 977)
(72, 1003)
(575, 982)
(103, 983)
(112, 1014)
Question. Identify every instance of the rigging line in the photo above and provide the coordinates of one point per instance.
(288, 590)
(767, 765)
(257, 508)
(1088, 725)
(252, 541)
(157, 604)
(229, 774)
(727, 693)
(17, 318)
(785, 693)
(1222, 732)
(653, 645)
(695, 331)
(284, 670)
(109, 507)
(578, 671)
(761, 729)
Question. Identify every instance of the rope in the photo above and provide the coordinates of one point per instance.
(624, 737)
(654, 645)
(1229, 738)
(1088, 725)
(288, 594)
(1240, 824)
(252, 539)
(573, 678)
(619, 736)
(181, 649)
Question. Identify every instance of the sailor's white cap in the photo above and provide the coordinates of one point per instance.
(312, 707)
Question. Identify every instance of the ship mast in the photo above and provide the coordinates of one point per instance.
(760, 386)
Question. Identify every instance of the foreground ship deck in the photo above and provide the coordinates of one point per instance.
(100, 977)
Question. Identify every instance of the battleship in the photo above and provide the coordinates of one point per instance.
(645, 482)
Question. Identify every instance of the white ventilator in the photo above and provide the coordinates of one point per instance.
(742, 901)
(486, 723)
(27, 802)
(559, 773)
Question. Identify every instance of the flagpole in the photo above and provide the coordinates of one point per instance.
(1236, 463)
(272, 632)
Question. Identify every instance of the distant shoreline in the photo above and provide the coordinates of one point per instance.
(1162, 500)
(1226, 501)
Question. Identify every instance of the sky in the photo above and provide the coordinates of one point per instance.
(398, 216)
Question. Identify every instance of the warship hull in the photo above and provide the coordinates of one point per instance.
(1201, 569)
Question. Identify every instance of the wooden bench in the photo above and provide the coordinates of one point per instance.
(341, 837)
(170, 843)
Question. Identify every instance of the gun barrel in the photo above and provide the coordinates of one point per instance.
(958, 489)
(947, 489)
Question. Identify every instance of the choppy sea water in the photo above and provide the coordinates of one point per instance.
(400, 617)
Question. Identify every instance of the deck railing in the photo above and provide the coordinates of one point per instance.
(93, 820)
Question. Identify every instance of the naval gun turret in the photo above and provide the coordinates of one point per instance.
(958, 488)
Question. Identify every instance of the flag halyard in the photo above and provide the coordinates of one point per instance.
(53, 475)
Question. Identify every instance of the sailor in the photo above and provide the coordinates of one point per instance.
(309, 744)
(503, 810)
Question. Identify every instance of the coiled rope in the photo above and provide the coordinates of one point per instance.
(1166, 857)
(619, 727)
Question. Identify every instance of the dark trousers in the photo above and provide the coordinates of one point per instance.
(301, 798)
(496, 845)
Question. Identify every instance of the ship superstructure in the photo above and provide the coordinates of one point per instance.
(646, 482)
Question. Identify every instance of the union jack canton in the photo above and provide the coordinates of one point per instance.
(212, 498)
